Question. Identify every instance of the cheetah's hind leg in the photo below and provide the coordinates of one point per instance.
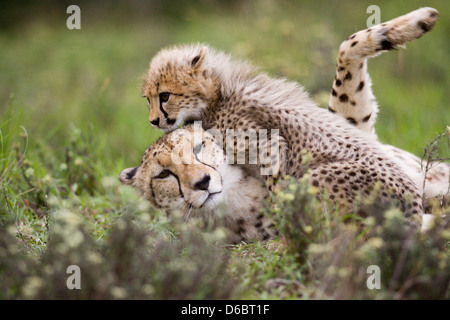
(352, 96)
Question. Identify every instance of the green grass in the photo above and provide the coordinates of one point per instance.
(72, 117)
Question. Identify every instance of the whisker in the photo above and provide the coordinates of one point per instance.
(188, 214)
(186, 211)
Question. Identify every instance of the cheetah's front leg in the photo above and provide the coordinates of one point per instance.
(352, 96)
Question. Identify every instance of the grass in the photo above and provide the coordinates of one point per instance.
(71, 118)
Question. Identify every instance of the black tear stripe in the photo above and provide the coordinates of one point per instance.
(151, 188)
(206, 164)
(166, 115)
(179, 185)
(196, 158)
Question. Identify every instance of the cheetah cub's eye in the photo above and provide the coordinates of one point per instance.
(164, 96)
(163, 174)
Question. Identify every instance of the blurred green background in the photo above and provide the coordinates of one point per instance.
(72, 117)
(57, 82)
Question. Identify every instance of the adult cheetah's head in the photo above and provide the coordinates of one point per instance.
(179, 86)
(179, 172)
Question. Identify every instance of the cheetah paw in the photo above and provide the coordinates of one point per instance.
(407, 27)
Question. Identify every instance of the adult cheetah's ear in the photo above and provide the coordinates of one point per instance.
(197, 61)
(127, 175)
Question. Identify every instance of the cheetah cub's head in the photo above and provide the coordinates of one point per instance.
(179, 85)
(180, 173)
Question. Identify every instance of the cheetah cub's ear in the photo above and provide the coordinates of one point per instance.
(127, 175)
(197, 61)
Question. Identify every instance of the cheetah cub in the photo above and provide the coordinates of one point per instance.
(195, 82)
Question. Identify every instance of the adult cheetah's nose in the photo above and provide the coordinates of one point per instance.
(155, 122)
(203, 184)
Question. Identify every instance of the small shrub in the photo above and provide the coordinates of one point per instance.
(136, 263)
(338, 248)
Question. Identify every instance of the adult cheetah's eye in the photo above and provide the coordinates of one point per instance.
(163, 174)
(164, 96)
(148, 101)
